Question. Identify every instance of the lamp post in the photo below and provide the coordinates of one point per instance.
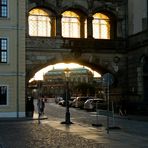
(67, 95)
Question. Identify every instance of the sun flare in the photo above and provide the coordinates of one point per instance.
(39, 75)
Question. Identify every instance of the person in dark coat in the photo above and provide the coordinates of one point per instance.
(41, 106)
(123, 108)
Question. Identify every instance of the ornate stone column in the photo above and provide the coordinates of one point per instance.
(53, 26)
(82, 27)
(58, 26)
(89, 27)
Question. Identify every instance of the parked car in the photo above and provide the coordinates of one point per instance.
(91, 104)
(63, 102)
(58, 99)
(71, 100)
(79, 101)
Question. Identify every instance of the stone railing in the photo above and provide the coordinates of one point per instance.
(87, 45)
(91, 45)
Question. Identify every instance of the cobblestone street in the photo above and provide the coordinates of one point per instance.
(52, 134)
(33, 135)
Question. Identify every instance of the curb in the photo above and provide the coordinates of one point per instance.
(21, 119)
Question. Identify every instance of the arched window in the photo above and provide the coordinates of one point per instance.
(101, 26)
(70, 24)
(39, 23)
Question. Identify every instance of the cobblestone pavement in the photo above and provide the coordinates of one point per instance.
(34, 135)
(52, 134)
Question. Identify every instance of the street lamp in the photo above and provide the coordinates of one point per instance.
(67, 114)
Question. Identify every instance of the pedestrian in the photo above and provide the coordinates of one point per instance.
(43, 105)
(122, 108)
(40, 106)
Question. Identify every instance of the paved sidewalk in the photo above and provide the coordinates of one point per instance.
(115, 139)
(35, 117)
(50, 133)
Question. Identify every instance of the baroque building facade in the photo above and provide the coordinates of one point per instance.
(12, 58)
(109, 36)
(54, 81)
(105, 35)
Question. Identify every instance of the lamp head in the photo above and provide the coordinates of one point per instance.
(67, 72)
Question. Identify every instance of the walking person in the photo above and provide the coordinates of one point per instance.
(41, 106)
(122, 108)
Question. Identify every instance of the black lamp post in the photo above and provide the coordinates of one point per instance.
(67, 114)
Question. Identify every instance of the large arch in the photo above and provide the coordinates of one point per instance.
(96, 67)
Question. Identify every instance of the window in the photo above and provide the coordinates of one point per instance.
(3, 50)
(3, 95)
(3, 8)
(101, 26)
(39, 23)
(70, 24)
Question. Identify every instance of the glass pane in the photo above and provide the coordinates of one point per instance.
(70, 24)
(65, 27)
(4, 11)
(39, 23)
(4, 2)
(3, 44)
(104, 32)
(4, 57)
(3, 50)
(101, 26)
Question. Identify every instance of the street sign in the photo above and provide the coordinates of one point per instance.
(107, 79)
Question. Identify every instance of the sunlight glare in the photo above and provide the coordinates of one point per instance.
(39, 75)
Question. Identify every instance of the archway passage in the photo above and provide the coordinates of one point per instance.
(61, 66)
(50, 81)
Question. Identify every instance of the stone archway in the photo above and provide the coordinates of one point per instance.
(31, 70)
